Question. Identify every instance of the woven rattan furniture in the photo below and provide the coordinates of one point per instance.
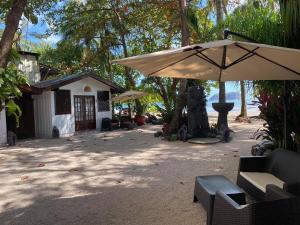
(281, 168)
(279, 208)
(206, 188)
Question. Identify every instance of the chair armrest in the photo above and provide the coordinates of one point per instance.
(227, 211)
(252, 163)
(293, 188)
(226, 200)
(274, 192)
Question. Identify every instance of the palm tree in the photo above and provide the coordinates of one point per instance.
(290, 13)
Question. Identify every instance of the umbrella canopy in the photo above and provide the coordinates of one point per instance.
(222, 60)
(128, 95)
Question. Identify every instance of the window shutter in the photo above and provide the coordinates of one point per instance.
(103, 101)
(62, 102)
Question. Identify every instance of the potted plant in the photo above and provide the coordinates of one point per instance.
(140, 109)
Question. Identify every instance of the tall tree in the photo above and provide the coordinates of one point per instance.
(11, 25)
(181, 98)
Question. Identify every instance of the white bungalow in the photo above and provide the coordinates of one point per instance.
(72, 103)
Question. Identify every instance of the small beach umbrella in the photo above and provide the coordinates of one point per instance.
(128, 96)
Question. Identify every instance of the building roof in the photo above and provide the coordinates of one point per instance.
(47, 71)
(28, 53)
(53, 84)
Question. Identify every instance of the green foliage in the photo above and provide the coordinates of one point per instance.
(272, 111)
(290, 14)
(32, 10)
(258, 22)
(166, 114)
(10, 80)
(201, 25)
(276, 24)
(140, 108)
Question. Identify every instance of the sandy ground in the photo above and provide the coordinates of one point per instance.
(114, 178)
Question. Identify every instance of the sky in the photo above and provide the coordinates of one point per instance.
(30, 30)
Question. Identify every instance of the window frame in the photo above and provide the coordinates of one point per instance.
(100, 102)
(59, 107)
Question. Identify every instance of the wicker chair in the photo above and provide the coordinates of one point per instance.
(281, 166)
(279, 208)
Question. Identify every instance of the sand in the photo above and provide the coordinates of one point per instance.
(114, 178)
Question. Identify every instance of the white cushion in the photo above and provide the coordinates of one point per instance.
(260, 180)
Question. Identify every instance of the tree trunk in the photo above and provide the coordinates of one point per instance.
(11, 25)
(181, 98)
(243, 100)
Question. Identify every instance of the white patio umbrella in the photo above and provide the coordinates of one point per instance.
(223, 60)
(129, 95)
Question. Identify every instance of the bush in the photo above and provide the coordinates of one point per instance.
(272, 111)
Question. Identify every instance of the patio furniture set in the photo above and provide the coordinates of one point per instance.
(267, 192)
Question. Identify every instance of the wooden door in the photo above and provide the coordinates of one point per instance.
(84, 109)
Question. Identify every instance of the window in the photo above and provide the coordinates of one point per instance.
(62, 102)
(87, 89)
(103, 101)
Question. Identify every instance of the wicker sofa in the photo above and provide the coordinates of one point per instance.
(280, 168)
(279, 208)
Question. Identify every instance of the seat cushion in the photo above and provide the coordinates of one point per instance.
(261, 180)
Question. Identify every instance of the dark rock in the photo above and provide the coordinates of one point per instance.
(158, 134)
(55, 132)
(262, 148)
(225, 134)
(183, 133)
(173, 137)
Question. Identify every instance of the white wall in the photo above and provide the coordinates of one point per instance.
(42, 115)
(29, 66)
(3, 131)
(66, 123)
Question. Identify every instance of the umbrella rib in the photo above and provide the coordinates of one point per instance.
(243, 58)
(209, 61)
(173, 63)
(270, 60)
